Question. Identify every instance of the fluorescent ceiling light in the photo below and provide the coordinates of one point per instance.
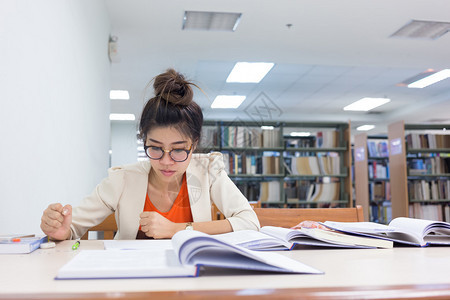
(210, 21)
(227, 101)
(300, 133)
(365, 127)
(429, 80)
(119, 95)
(267, 127)
(366, 104)
(419, 29)
(246, 72)
(122, 117)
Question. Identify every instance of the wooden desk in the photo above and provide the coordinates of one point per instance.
(420, 273)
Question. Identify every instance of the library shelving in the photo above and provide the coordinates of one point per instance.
(372, 184)
(285, 164)
(419, 156)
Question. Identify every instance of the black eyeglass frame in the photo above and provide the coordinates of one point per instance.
(188, 151)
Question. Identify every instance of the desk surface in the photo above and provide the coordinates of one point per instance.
(349, 273)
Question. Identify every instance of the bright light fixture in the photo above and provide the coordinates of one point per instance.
(122, 117)
(267, 127)
(366, 104)
(300, 133)
(119, 95)
(429, 80)
(211, 21)
(227, 101)
(246, 72)
(365, 127)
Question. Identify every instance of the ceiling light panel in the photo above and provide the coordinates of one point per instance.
(431, 79)
(365, 127)
(366, 104)
(211, 21)
(119, 95)
(417, 29)
(246, 72)
(122, 117)
(228, 101)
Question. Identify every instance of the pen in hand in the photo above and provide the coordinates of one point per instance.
(76, 245)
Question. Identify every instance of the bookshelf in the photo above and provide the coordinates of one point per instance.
(272, 164)
(419, 156)
(372, 184)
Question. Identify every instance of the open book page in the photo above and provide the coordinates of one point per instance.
(363, 227)
(197, 248)
(371, 229)
(125, 264)
(401, 230)
(296, 237)
(335, 237)
(420, 229)
(254, 240)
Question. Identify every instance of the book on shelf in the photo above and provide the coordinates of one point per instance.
(209, 137)
(324, 192)
(428, 165)
(428, 190)
(378, 170)
(327, 139)
(377, 148)
(315, 165)
(269, 191)
(402, 230)
(427, 141)
(436, 212)
(191, 252)
(20, 244)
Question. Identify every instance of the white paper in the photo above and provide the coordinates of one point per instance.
(137, 244)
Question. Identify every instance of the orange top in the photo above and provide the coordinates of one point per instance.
(180, 212)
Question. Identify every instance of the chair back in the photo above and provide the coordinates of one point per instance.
(217, 215)
(289, 217)
(108, 227)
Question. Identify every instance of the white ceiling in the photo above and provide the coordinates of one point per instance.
(335, 53)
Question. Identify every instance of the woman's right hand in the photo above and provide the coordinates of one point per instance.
(56, 220)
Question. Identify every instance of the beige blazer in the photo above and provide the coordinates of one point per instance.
(123, 193)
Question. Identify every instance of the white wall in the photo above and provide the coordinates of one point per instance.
(123, 143)
(54, 106)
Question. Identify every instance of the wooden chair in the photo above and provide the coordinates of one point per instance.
(108, 227)
(288, 217)
(217, 215)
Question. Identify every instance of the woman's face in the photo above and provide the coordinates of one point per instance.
(168, 138)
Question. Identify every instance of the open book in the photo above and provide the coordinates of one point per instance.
(190, 251)
(417, 232)
(278, 238)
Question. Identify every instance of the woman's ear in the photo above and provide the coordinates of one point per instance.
(194, 146)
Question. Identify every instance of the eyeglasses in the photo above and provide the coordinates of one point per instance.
(178, 155)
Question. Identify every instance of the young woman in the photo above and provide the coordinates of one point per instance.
(172, 191)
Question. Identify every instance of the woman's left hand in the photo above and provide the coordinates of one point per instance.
(156, 226)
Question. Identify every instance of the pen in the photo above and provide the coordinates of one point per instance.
(76, 245)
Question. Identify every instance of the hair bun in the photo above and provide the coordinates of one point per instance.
(173, 87)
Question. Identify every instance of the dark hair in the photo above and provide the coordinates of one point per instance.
(172, 105)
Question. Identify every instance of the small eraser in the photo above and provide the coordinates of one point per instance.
(48, 245)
